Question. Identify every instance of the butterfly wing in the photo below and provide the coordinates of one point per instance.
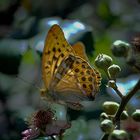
(55, 50)
(79, 49)
(80, 83)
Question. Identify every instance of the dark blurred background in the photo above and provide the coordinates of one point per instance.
(23, 27)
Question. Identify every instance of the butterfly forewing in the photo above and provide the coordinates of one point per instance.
(55, 50)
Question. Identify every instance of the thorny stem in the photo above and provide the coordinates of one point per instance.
(123, 104)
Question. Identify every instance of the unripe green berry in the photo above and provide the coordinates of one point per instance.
(107, 126)
(103, 61)
(110, 107)
(136, 115)
(119, 135)
(103, 116)
(120, 48)
(124, 115)
(113, 70)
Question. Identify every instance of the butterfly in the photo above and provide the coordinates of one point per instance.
(68, 77)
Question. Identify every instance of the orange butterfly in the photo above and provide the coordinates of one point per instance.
(67, 75)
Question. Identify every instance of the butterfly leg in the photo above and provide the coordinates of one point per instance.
(75, 106)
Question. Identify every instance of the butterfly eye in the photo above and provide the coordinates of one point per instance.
(43, 92)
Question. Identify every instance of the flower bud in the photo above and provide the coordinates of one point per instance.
(110, 107)
(124, 115)
(103, 61)
(136, 115)
(120, 48)
(103, 116)
(113, 70)
(60, 111)
(119, 135)
(107, 126)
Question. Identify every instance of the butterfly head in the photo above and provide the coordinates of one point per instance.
(43, 92)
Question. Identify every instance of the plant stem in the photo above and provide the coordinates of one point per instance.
(125, 100)
(117, 91)
(123, 104)
(115, 86)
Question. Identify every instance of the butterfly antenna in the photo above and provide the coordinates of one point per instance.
(25, 81)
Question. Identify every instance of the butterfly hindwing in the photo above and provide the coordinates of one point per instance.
(80, 51)
(79, 83)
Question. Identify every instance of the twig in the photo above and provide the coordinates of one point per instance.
(123, 104)
(117, 91)
(115, 86)
(125, 100)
